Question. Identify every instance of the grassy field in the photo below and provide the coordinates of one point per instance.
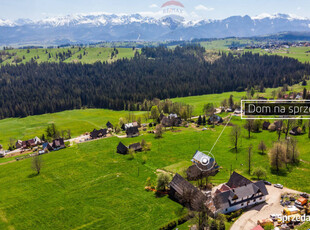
(199, 101)
(92, 55)
(300, 53)
(224, 44)
(89, 186)
(78, 121)
(81, 121)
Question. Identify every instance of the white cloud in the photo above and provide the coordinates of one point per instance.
(202, 7)
(153, 6)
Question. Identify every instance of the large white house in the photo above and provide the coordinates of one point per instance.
(238, 193)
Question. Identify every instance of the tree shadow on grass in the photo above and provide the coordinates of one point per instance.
(32, 175)
(282, 172)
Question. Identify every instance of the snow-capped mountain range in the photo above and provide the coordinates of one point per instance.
(111, 27)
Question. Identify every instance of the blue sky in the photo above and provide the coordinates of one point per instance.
(195, 9)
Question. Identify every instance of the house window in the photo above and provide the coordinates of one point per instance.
(241, 204)
(261, 198)
(254, 200)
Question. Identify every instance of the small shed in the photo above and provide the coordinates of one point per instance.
(122, 149)
(136, 147)
(109, 125)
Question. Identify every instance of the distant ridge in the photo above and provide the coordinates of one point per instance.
(111, 27)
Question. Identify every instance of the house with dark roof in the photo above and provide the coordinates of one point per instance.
(215, 119)
(238, 193)
(58, 144)
(296, 131)
(122, 149)
(171, 120)
(266, 125)
(185, 193)
(55, 145)
(109, 125)
(98, 133)
(201, 169)
(136, 147)
(28, 144)
(132, 131)
(47, 147)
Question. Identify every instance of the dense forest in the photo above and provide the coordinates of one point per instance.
(28, 89)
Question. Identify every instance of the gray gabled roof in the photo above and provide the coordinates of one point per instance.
(242, 188)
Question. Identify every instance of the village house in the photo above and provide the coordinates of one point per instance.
(131, 125)
(28, 144)
(98, 133)
(121, 148)
(238, 193)
(55, 145)
(200, 169)
(136, 147)
(266, 125)
(109, 125)
(296, 131)
(171, 120)
(215, 119)
(183, 192)
(132, 131)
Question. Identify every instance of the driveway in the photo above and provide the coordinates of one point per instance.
(272, 206)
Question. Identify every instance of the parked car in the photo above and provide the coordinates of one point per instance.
(267, 182)
(280, 186)
(305, 195)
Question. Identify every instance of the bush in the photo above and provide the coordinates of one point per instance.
(234, 215)
(163, 180)
(259, 173)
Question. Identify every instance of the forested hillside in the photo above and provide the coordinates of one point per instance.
(32, 88)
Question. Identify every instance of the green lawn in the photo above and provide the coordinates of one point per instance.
(78, 121)
(89, 186)
(300, 53)
(199, 101)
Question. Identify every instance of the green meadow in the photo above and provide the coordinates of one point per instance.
(78, 121)
(300, 53)
(90, 186)
(85, 120)
(88, 55)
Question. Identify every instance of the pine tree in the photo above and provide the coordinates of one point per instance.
(199, 120)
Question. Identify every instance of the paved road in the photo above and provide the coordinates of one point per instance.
(272, 206)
